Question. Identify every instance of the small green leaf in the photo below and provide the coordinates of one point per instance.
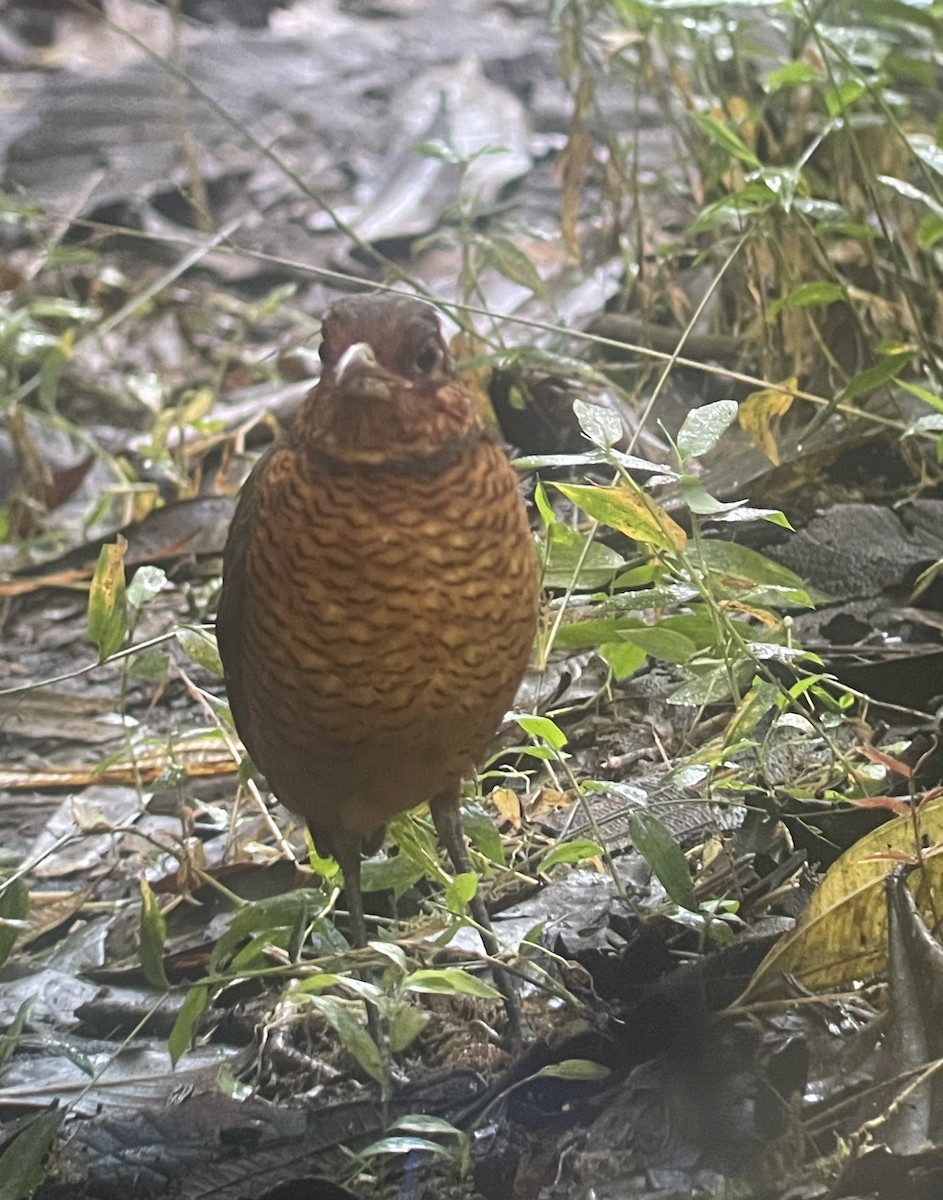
(543, 727)
(107, 610)
(709, 688)
(405, 1023)
(12, 1035)
(14, 909)
(147, 583)
(403, 1145)
(396, 873)
(601, 425)
(394, 953)
(743, 567)
(866, 381)
(700, 501)
(819, 291)
(724, 137)
(577, 850)
(346, 1018)
(927, 150)
(449, 981)
(567, 551)
(622, 658)
(150, 665)
(793, 74)
(484, 836)
(424, 1123)
(153, 934)
(460, 891)
(21, 1164)
(839, 99)
(510, 261)
(657, 846)
(703, 427)
(573, 1068)
(200, 645)
(184, 1030)
(661, 641)
(929, 231)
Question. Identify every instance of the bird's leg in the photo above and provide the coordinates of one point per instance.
(447, 818)
(346, 848)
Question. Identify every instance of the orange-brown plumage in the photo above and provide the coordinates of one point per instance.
(379, 593)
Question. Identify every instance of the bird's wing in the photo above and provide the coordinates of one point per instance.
(232, 600)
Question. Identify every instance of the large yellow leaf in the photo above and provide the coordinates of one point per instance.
(630, 511)
(842, 935)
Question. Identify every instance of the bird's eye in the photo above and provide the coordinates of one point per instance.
(324, 354)
(428, 357)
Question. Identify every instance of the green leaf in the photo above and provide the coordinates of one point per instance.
(12, 1035)
(510, 261)
(484, 836)
(819, 291)
(744, 567)
(395, 954)
(622, 658)
(449, 981)
(403, 1145)
(14, 909)
(703, 427)
(153, 934)
(842, 97)
(874, 377)
(658, 847)
(395, 873)
(50, 372)
(460, 891)
(601, 425)
(544, 728)
(794, 74)
(184, 1030)
(405, 1023)
(274, 918)
(21, 1164)
(904, 187)
(573, 1068)
(724, 137)
(709, 688)
(929, 231)
(107, 610)
(417, 841)
(700, 501)
(424, 1123)
(346, 1018)
(147, 583)
(566, 550)
(149, 665)
(577, 850)
(200, 645)
(927, 150)
(661, 641)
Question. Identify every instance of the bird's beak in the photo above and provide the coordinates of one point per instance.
(359, 374)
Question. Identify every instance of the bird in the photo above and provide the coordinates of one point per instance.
(379, 600)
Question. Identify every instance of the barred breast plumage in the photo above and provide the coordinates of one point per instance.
(379, 596)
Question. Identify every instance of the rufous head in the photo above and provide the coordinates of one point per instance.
(388, 388)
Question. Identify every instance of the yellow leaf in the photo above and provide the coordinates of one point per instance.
(629, 510)
(757, 412)
(842, 934)
(508, 804)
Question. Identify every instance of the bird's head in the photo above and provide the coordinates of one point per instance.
(388, 389)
